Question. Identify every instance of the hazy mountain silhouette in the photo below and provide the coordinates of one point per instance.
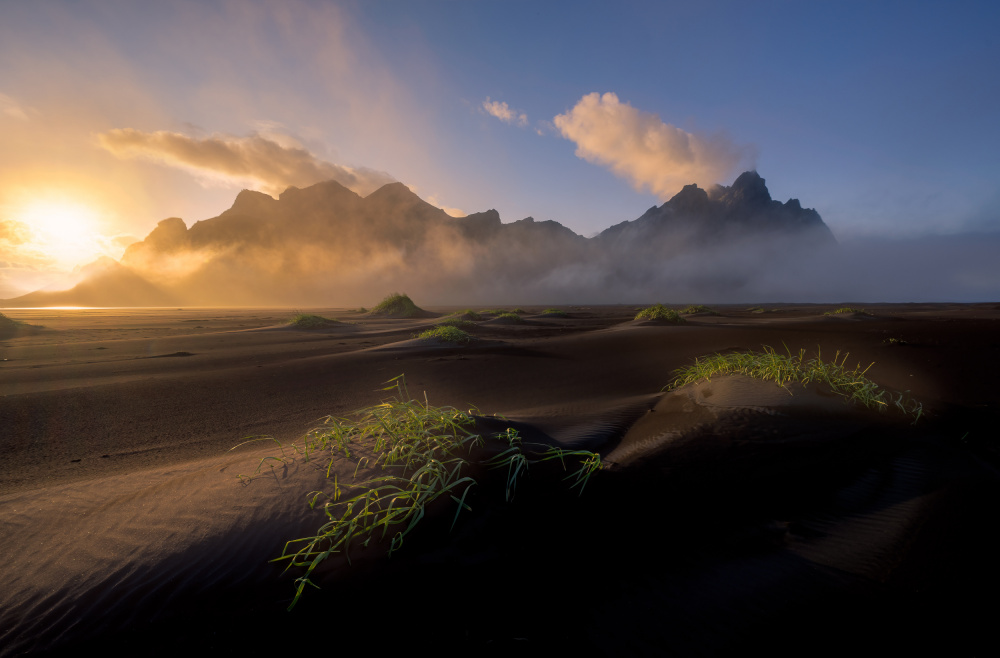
(723, 214)
(105, 282)
(324, 244)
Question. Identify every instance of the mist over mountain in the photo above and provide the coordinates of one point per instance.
(326, 245)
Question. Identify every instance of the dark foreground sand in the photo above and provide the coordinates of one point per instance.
(733, 517)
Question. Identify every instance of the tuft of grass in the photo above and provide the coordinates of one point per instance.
(844, 310)
(456, 322)
(783, 369)
(698, 309)
(509, 316)
(425, 452)
(397, 305)
(310, 321)
(555, 312)
(447, 333)
(500, 311)
(659, 312)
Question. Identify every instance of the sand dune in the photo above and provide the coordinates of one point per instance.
(731, 514)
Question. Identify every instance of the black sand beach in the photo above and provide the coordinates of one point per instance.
(727, 519)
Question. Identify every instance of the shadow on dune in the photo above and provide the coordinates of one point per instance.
(732, 517)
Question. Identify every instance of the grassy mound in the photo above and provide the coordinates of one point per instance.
(509, 317)
(447, 333)
(659, 312)
(310, 321)
(456, 322)
(783, 369)
(699, 308)
(850, 310)
(10, 327)
(399, 306)
(554, 313)
(425, 452)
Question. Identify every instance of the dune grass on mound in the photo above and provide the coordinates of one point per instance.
(660, 312)
(500, 311)
(699, 308)
(398, 305)
(425, 451)
(788, 368)
(554, 313)
(448, 333)
(456, 322)
(850, 310)
(310, 321)
(509, 316)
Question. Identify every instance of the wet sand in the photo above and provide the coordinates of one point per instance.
(125, 528)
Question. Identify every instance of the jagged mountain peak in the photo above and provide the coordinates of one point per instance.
(252, 202)
(748, 191)
(325, 237)
(329, 191)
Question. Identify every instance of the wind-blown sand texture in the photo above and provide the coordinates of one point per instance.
(731, 515)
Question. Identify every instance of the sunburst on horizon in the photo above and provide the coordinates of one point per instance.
(64, 230)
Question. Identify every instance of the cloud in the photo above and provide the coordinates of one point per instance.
(641, 148)
(10, 107)
(273, 166)
(505, 113)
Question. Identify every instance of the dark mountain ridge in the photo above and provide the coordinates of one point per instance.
(326, 244)
(743, 210)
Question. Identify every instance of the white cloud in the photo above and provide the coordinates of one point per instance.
(273, 166)
(505, 113)
(641, 148)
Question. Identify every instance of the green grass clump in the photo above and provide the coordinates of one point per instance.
(554, 312)
(659, 312)
(310, 321)
(398, 305)
(425, 452)
(509, 316)
(448, 334)
(456, 322)
(500, 311)
(698, 309)
(849, 310)
(783, 369)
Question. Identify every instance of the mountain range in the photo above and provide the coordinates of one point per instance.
(324, 245)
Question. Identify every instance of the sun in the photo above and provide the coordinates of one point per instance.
(60, 221)
(66, 231)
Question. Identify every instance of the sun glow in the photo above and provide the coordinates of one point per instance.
(66, 231)
(61, 221)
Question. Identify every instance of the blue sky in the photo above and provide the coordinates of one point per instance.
(881, 115)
